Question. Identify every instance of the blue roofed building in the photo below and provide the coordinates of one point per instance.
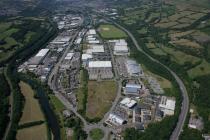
(133, 89)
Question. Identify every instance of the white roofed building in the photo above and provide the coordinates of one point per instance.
(121, 50)
(36, 60)
(128, 103)
(86, 58)
(42, 52)
(167, 105)
(115, 120)
(100, 64)
(100, 70)
(92, 32)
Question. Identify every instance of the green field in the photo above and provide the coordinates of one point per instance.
(100, 98)
(4, 26)
(96, 134)
(31, 111)
(108, 31)
(180, 57)
(200, 70)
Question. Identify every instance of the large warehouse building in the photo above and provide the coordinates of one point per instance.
(36, 60)
(100, 70)
(121, 47)
(133, 68)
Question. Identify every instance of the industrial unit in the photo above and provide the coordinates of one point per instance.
(100, 70)
(133, 89)
(167, 105)
(133, 68)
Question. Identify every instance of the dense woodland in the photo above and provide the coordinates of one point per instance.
(4, 104)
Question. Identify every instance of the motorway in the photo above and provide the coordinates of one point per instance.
(185, 99)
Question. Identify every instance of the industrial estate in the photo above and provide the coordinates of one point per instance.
(104, 70)
(135, 98)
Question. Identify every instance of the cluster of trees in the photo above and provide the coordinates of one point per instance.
(4, 104)
(76, 125)
(30, 124)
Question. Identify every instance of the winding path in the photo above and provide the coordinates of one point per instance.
(185, 99)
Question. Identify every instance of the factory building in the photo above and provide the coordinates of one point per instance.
(86, 58)
(128, 103)
(100, 70)
(78, 41)
(93, 41)
(115, 120)
(167, 105)
(133, 89)
(95, 49)
(66, 62)
(133, 68)
(92, 32)
(36, 60)
(121, 50)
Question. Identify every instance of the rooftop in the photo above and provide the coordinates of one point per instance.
(128, 102)
(100, 64)
(42, 52)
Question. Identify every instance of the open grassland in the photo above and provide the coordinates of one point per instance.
(4, 26)
(108, 31)
(158, 51)
(151, 45)
(32, 111)
(164, 83)
(200, 70)
(100, 98)
(186, 43)
(8, 33)
(175, 35)
(166, 24)
(180, 57)
(38, 132)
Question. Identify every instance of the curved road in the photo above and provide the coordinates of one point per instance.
(185, 102)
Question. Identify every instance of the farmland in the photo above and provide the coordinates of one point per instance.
(17, 33)
(100, 99)
(115, 33)
(32, 111)
(38, 132)
(200, 70)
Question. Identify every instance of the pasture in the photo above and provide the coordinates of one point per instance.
(200, 70)
(180, 57)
